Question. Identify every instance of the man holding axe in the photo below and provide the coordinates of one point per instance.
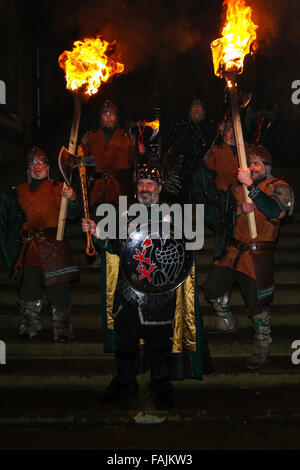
(28, 226)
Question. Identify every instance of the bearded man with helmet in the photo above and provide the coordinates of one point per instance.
(160, 310)
(187, 142)
(249, 262)
(113, 153)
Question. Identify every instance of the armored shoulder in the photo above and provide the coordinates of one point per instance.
(283, 193)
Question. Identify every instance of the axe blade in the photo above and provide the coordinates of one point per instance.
(66, 162)
(244, 99)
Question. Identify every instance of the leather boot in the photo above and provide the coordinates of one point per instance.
(162, 393)
(261, 347)
(30, 322)
(62, 324)
(119, 391)
(225, 321)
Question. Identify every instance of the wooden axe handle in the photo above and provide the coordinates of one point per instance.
(62, 217)
(72, 148)
(90, 249)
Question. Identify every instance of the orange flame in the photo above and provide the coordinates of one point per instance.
(238, 34)
(87, 65)
(153, 124)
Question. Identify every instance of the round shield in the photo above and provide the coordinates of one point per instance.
(154, 259)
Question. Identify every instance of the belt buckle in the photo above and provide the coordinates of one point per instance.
(253, 247)
(39, 234)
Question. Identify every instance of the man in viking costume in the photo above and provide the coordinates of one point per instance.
(28, 226)
(113, 153)
(186, 144)
(167, 320)
(214, 183)
(246, 261)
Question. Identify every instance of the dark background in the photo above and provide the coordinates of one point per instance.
(165, 46)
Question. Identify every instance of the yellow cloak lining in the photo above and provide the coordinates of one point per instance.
(184, 326)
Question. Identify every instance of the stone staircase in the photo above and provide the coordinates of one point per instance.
(48, 384)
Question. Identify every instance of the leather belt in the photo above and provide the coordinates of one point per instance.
(40, 233)
(260, 246)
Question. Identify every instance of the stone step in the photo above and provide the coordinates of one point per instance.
(90, 295)
(290, 226)
(284, 294)
(81, 295)
(96, 373)
(88, 343)
(286, 240)
(50, 408)
(205, 257)
(283, 273)
(281, 256)
(89, 317)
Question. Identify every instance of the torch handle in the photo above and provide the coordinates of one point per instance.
(238, 132)
(72, 148)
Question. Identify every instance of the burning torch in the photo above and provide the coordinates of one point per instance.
(86, 67)
(228, 54)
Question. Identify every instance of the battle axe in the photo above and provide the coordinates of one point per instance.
(67, 162)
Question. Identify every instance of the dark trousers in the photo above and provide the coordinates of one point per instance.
(221, 279)
(31, 287)
(157, 346)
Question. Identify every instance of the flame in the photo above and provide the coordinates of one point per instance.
(238, 34)
(153, 124)
(87, 65)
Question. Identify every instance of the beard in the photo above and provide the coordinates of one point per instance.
(197, 116)
(109, 126)
(153, 199)
(257, 176)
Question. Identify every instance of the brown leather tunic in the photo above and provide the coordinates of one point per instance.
(112, 158)
(267, 231)
(42, 210)
(40, 247)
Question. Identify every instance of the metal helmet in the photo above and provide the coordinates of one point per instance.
(34, 154)
(108, 107)
(148, 172)
(196, 102)
(262, 153)
(228, 124)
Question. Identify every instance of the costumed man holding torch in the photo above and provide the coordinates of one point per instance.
(261, 202)
(28, 225)
(86, 67)
(150, 293)
(250, 262)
